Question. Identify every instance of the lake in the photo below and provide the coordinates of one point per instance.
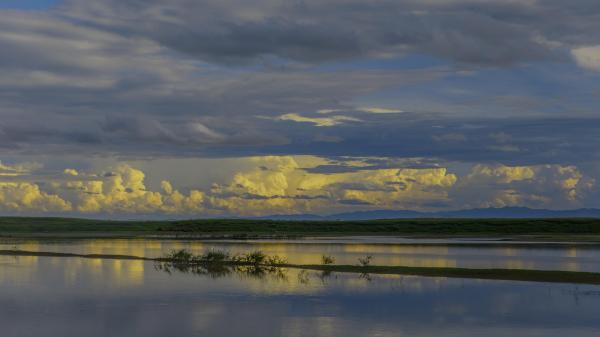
(58, 296)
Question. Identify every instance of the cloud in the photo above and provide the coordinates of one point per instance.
(27, 197)
(123, 191)
(285, 187)
(376, 110)
(290, 185)
(318, 121)
(587, 57)
(189, 79)
(81, 78)
(482, 33)
(17, 170)
(552, 186)
(71, 172)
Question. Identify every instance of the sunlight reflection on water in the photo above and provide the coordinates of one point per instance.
(449, 254)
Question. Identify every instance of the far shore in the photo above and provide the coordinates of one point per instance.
(562, 229)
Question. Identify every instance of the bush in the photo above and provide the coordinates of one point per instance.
(181, 255)
(327, 259)
(365, 261)
(275, 260)
(256, 257)
(215, 256)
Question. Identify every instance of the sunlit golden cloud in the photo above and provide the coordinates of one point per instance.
(318, 121)
(587, 57)
(27, 197)
(537, 186)
(297, 184)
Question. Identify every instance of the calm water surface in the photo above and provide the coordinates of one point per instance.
(385, 251)
(51, 296)
(76, 297)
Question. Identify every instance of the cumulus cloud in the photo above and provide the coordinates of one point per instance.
(553, 186)
(278, 184)
(119, 191)
(28, 197)
(71, 172)
(289, 185)
(217, 78)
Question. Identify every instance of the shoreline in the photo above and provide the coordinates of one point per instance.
(526, 275)
(486, 239)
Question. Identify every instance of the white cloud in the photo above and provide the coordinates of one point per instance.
(28, 197)
(303, 184)
(17, 170)
(547, 186)
(376, 110)
(587, 57)
(71, 172)
(318, 121)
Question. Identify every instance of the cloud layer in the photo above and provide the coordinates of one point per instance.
(280, 185)
(485, 89)
(184, 78)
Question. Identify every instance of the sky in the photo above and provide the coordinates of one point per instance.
(201, 108)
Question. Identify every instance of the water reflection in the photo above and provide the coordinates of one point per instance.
(219, 270)
(69, 297)
(583, 257)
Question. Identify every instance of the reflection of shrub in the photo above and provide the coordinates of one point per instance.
(365, 261)
(327, 259)
(275, 260)
(303, 277)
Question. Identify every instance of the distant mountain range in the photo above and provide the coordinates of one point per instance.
(505, 212)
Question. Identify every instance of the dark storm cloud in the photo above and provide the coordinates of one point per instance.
(467, 31)
(525, 141)
(189, 78)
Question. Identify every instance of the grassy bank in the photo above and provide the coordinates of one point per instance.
(240, 227)
(218, 263)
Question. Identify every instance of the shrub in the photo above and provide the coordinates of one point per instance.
(215, 256)
(255, 257)
(327, 259)
(181, 255)
(365, 261)
(275, 260)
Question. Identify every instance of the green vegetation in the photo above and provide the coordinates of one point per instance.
(255, 258)
(239, 228)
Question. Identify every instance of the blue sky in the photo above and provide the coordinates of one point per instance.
(28, 4)
(231, 107)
